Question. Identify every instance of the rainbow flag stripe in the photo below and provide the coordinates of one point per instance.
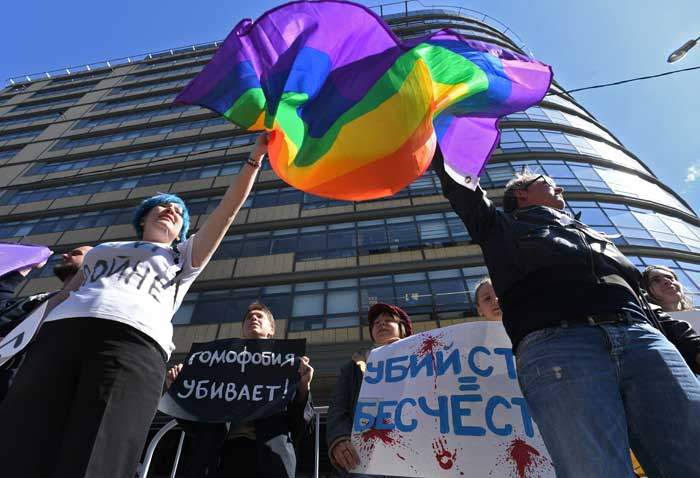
(354, 112)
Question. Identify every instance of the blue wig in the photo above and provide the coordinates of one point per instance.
(154, 201)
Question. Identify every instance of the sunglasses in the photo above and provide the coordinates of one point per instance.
(533, 181)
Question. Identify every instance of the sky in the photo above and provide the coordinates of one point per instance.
(586, 42)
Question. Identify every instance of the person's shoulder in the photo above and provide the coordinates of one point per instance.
(348, 367)
(111, 244)
(186, 244)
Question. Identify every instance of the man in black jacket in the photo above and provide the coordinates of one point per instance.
(264, 448)
(597, 374)
(14, 310)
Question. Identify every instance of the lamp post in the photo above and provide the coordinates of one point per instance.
(680, 53)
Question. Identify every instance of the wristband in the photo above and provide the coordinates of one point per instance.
(253, 163)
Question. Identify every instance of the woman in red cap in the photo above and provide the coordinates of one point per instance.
(387, 324)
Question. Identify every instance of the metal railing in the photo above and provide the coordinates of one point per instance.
(108, 64)
(150, 450)
(383, 9)
(399, 9)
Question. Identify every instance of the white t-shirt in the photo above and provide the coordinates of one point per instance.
(136, 283)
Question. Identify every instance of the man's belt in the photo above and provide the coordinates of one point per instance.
(603, 318)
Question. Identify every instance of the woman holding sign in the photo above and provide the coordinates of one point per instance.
(387, 324)
(85, 397)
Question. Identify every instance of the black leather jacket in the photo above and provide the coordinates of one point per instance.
(543, 263)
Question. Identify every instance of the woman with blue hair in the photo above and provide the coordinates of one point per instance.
(83, 400)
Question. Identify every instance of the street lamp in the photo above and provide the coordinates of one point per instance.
(680, 53)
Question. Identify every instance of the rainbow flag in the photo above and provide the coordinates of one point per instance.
(354, 112)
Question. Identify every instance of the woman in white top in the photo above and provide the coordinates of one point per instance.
(83, 401)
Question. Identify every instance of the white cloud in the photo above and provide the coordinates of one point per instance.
(693, 173)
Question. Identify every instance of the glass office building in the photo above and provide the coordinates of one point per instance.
(79, 149)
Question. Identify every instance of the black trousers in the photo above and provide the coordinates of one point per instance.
(210, 455)
(82, 402)
(8, 371)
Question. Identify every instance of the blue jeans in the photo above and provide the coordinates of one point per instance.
(597, 391)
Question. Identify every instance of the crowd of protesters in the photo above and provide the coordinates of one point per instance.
(598, 356)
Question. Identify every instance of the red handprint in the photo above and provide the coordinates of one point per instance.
(445, 458)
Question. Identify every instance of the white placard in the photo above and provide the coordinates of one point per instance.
(446, 403)
(692, 316)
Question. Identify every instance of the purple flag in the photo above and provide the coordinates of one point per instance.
(18, 256)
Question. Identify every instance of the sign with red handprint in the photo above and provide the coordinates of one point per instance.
(446, 403)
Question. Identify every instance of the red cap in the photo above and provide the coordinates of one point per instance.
(381, 308)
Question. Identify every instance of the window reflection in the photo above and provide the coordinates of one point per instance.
(29, 120)
(514, 140)
(541, 114)
(582, 177)
(44, 104)
(636, 226)
(185, 148)
(122, 118)
(110, 105)
(70, 143)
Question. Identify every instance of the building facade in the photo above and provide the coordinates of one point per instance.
(80, 149)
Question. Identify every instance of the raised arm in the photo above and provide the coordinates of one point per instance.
(211, 233)
(477, 212)
(73, 284)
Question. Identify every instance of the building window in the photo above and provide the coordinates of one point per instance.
(515, 140)
(20, 134)
(574, 176)
(122, 118)
(24, 107)
(350, 239)
(29, 120)
(174, 150)
(70, 143)
(627, 225)
(70, 90)
(140, 88)
(548, 115)
(8, 153)
(110, 105)
(107, 185)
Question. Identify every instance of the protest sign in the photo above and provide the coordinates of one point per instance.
(18, 338)
(691, 316)
(235, 380)
(446, 403)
